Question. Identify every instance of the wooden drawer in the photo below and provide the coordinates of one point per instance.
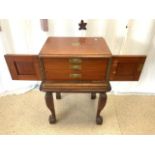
(75, 68)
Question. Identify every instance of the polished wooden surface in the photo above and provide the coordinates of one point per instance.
(23, 67)
(84, 87)
(75, 47)
(75, 59)
(50, 105)
(101, 104)
(30, 67)
(126, 68)
(87, 69)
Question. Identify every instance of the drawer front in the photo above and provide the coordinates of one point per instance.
(75, 69)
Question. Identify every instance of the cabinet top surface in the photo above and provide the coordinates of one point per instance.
(75, 47)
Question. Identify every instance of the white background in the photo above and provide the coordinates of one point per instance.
(77, 9)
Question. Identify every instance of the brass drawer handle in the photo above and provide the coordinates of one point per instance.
(75, 76)
(76, 67)
(75, 60)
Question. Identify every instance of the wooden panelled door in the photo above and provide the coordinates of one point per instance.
(126, 68)
(23, 67)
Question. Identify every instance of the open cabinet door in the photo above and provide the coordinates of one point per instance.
(23, 67)
(126, 68)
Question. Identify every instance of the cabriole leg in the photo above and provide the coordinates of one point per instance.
(50, 105)
(58, 95)
(93, 96)
(101, 105)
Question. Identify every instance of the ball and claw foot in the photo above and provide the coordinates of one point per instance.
(99, 120)
(52, 119)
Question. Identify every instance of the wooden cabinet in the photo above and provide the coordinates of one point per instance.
(75, 64)
(64, 59)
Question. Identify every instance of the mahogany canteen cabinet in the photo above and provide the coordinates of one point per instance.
(75, 64)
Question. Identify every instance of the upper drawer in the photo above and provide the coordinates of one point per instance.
(75, 68)
(126, 68)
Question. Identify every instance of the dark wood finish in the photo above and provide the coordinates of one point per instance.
(75, 64)
(44, 24)
(126, 68)
(42, 69)
(101, 105)
(93, 88)
(49, 86)
(50, 105)
(23, 67)
(62, 69)
(75, 47)
(58, 95)
(93, 96)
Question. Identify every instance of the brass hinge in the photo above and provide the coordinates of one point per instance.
(139, 68)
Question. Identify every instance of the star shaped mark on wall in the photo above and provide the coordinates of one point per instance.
(82, 25)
